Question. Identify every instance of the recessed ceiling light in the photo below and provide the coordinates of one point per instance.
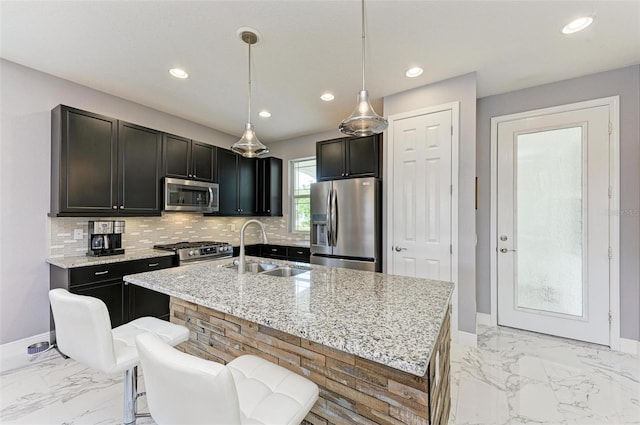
(179, 73)
(265, 114)
(577, 25)
(327, 97)
(414, 72)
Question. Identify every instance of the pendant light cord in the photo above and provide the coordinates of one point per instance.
(363, 38)
(249, 119)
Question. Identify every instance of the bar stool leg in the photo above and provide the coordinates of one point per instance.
(130, 391)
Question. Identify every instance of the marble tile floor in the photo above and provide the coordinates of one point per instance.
(518, 377)
(512, 377)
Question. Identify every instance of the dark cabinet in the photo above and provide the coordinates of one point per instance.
(237, 184)
(349, 158)
(189, 159)
(273, 251)
(139, 151)
(124, 302)
(280, 252)
(269, 186)
(111, 294)
(299, 254)
(103, 167)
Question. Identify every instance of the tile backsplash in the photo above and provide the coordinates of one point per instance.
(144, 232)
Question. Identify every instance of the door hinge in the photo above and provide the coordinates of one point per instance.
(610, 191)
(451, 189)
(450, 249)
(610, 253)
(452, 130)
(610, 127)
(609, 317)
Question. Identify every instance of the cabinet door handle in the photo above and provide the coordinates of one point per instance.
(274, 249)
(115, 207)
(121, 207)
(300, 252)
(100, 273)
(154, 264)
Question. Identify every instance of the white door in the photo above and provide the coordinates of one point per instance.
(421, 196)
(552, 226)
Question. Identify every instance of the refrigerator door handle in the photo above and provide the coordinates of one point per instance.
(329, 229)
(334, 217)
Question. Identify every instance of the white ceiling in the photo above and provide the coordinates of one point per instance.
(126, 48)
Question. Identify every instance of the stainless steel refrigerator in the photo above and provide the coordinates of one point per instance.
(346, 224)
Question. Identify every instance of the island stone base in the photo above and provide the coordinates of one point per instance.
(352, 389)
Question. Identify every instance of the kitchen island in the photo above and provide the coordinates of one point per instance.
(377, 345)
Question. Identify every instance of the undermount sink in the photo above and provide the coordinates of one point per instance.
(269, 269)
(286, 271)
(253, 267)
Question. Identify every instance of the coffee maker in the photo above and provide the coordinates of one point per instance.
(105, 238)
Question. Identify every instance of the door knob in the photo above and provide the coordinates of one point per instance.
(504, 250)
(398, 249)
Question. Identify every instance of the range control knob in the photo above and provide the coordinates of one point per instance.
(192, 253)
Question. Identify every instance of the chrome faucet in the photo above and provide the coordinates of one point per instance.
(241, 263)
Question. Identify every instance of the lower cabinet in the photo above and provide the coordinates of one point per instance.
(112, 295)
(279, 252)
(124, 302)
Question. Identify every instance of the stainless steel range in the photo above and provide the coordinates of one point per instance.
(189, 252)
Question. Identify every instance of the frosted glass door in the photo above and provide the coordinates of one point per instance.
(549, 221)
(552, 228)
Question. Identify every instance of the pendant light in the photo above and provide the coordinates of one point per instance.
(363, 121)
(249, 146)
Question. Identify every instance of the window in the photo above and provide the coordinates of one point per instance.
(303, 173)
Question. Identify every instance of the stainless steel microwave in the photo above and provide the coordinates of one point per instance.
(190, 195)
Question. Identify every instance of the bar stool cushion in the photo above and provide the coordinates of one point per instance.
(83, 332)
(183, 389)
(271, 394)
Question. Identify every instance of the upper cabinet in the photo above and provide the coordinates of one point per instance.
(189, 159)
(237, 180)
(101, 166)
(269, 186)
(349, 158)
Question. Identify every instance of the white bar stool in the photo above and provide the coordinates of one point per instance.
(183, 389)
(83, 332)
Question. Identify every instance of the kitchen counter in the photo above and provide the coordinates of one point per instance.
(283, 242)
(84, 261)
(377, 345)
(388, 319)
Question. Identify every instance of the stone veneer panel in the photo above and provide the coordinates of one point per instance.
(352, 389)
(144, 232)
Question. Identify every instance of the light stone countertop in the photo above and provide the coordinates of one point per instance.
(284, 242)
(84, 261)
(392, 320)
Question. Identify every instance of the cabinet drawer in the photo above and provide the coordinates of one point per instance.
(273, 251)
(149, 264)
(114, 271)
(299, 254)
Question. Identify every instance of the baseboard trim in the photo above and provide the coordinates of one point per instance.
(630, 346)
(483, 319)
(13, 355)
(467, 338)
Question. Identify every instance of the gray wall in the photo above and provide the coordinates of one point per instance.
(462, 89)
(624, 82)
(25, 149)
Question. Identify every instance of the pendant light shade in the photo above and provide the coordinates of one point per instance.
(363, 121)
(249, 146)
